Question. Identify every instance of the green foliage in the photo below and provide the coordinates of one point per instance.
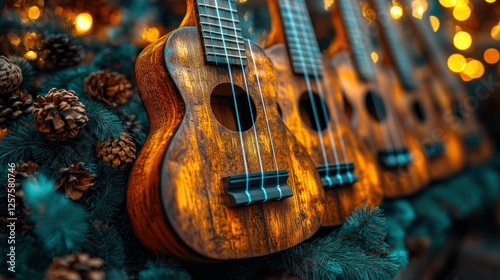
(355, 251)
(60, 223)
(161, 271)
(102, 122)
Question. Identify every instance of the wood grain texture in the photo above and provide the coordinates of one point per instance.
(377, 135)
(176, 199)
(338, 139)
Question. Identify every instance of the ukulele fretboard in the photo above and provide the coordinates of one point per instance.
(350, 15)
(220, 31)
(301, 40)
(394, 42)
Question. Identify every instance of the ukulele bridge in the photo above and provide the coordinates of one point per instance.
(394, 158)
(434, 150)
(337, 175)
(473, 141)
(260, 187)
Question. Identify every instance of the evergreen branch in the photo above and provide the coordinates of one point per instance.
(60, 224)
(102, 122)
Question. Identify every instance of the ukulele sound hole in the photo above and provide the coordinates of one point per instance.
(228, 106)
(375, 106)
(314, 112)
(418, 111)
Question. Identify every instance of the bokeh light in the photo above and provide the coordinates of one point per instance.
(396, 12)
(34, 12)
(448, 3)
(491, 56)
(150, 34)
(457, 63)
(31, 55)
(474, 69)
(374, 56)
(461, 12)
(462, 40)
(495, 32)
(83, 22)
(435, 23)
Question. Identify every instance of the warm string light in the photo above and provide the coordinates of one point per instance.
(495, 32)
(419, 7)
(34, 12)
(462, 11)
(435, 23)
(83, 23)
(31, 55)
(491, 56)
(457, 62)
(374, 56)
(150, 34)
(396, 11)
(448, 3)
(462, 40)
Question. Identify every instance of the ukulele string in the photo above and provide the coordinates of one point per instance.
(312, 42)
(354, 27)
(248, 99)
(247, 193)
(311, 98)
(394, 132)
(267, 122)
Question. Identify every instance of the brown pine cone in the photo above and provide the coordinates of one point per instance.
(111, 88)
(14, 105)
(117, 152)
(59, 51)
(75, 179)
(11, 75)
(21, 172)
(77, 266)
(59, 115)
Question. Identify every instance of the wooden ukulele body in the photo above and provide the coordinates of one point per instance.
(398, 181)
(339, 201)
(443, 146)
(177, 201)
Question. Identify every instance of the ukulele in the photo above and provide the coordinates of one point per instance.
(414, 102)
(368, 95)
(452, 99)
(311, 106)
(220, 176)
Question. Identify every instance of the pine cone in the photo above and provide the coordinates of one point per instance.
(11, 75)
(59, 115)
(75, 179)
(130, 123)
(77, 266)
(117, 152)
(14, 105)
(59, 51)
(111, 88)
(21, 172)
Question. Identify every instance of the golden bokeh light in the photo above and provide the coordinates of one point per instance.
(462, 40)
(461, 12)
(491, 56)
(435, 23)
(490, 1)
(396, 12)
(31, 55)
(474, 69)
(328, 4)
(495, 32)
(448, 3)
(150, 34)
(34, 12)
(457, 63)
(374, 56)
(83, 22)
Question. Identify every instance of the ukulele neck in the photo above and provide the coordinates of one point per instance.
(349, 22)
(301, 42)
(393, 45)
(431, 48)
(219, 26)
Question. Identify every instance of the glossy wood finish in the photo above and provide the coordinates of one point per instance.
(339, 201)
(377, 135)
(413, 97)
(176, 199)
